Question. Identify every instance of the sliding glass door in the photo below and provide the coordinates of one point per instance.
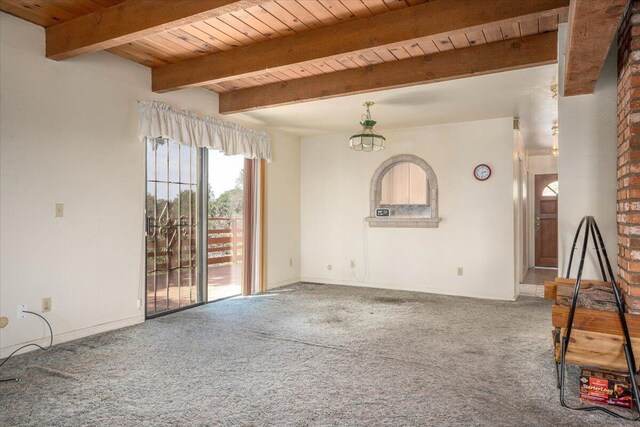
(225, 213)
(172, 227)
(195, 237)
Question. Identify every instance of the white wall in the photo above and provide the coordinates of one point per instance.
(587, 162)
(538, 165)
(68, 133)
(477, 231)
(542, 164)
(283, 211)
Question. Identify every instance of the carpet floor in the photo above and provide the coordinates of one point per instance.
(305, 355)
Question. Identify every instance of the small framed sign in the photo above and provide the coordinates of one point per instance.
(383, 212)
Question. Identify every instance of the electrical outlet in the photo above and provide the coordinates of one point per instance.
(4, 321)
(21, 311)
(290, 262)
(59, 210)
(139, 304)
(460, 271)
(46, 305)
(353, 263)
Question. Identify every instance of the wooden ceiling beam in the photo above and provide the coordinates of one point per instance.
(592, 27)
(425, 21)
(529, 51)
(131, 20)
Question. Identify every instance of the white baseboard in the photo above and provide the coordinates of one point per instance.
(281, 283)
(73, 335)
(324, 281)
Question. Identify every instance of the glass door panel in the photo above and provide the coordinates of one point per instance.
(224, 225)
(171, 226)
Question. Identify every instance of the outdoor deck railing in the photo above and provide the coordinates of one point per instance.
(224, 240)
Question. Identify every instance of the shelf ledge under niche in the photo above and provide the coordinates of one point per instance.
(403, 222)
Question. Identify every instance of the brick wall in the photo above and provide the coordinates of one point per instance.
(628, 205)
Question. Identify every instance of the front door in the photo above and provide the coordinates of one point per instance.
(546, 220)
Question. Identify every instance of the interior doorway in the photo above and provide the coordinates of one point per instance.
(546, 220)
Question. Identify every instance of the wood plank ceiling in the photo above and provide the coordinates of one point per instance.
(271, 20)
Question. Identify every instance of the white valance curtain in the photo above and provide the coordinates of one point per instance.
(159, 120)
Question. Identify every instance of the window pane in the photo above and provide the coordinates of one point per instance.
(171, 243)
(162, 203)
(161, 159)
(550, 190)
(185, 164)
(194, 167)
(174, 162)
(151, 199)
(151, 159)
(174, 200)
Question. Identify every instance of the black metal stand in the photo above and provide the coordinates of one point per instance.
(593, 230)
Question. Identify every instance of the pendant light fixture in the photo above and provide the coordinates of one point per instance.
(367, 139)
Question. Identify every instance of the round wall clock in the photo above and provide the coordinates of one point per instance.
(482, 172)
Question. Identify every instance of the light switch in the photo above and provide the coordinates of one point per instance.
(46, 305)
(59, 210)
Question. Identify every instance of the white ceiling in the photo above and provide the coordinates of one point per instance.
(522, 93)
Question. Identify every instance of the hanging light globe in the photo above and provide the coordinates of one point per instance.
(367, 139)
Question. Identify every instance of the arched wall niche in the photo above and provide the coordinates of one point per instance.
(403, 213)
